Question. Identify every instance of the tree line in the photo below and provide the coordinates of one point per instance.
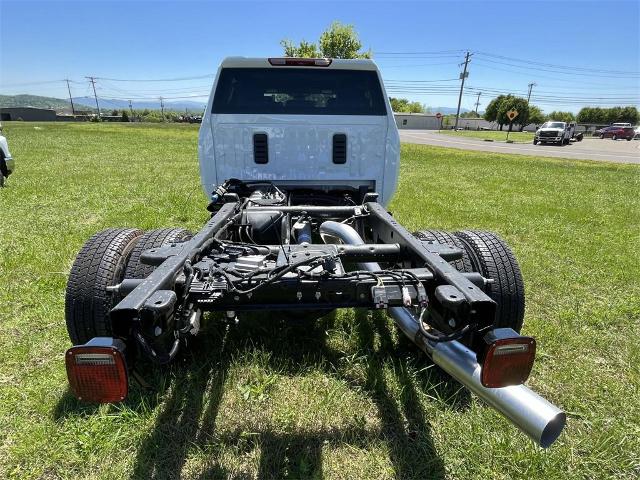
(152, 116)
(530, 114)
(608, 115)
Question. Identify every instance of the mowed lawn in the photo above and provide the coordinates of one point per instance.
(344, 397)
(497, 136)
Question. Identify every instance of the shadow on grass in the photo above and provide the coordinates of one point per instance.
(191, 390)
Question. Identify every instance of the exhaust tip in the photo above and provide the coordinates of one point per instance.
(553, 430)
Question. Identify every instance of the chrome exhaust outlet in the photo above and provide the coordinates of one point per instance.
(536, 417)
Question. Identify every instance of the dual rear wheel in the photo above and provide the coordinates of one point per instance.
(105, 260)
(487, 254)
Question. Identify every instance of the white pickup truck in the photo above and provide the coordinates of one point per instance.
(560, 133)
(298, 159)
(323, 123)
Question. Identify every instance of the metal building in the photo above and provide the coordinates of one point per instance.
(28, 114)
(420, 121)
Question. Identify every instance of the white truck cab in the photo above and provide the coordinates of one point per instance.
(557, 132)
(310, 123)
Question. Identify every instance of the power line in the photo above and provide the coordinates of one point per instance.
(562, 67)
(386, 67)
(177, 79)
(26, 84)
(439, 52)
(584, 70)
(424, 81)
(528, 74)
(560, 72)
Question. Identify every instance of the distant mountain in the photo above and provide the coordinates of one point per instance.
(447, 110)
(106, 105)
(89, 104)
(37, 101)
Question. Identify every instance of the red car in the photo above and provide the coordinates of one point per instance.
(617, 132)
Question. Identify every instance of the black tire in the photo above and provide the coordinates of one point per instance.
(447, 238)
(629, 139)
(152, 239)
(101, 263)
(4, 171)
(535, 141)
(493, 259)
(602, 136)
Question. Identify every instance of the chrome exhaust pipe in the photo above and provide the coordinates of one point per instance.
(536, 417)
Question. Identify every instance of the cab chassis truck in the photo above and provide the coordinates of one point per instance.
(299, 158)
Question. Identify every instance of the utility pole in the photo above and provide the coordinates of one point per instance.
(478, 103)
(531, 85)
(162, 107)
(93, 84)
(131, 108)
(463, 75)
(73, 110)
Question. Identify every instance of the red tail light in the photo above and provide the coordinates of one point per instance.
(97, 371)
(300, 62)
(507, 359)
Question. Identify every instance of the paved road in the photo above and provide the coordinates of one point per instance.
(619, 151)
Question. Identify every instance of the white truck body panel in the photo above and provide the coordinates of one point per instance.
(300, 146)
(8, 159)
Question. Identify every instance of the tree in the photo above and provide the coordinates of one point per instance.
(115, 113)
(125, 116)
(304, 50)
(629, 114)
(471, 114)
(561, 116)
(603, 116)
(511, 102)
(337, 41)
(498, 107)
(614, 114)
(404, 105)
(491, 112)
(535, 115)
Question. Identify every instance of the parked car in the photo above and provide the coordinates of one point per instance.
(615, 132)
(7, 163)
(637, 132)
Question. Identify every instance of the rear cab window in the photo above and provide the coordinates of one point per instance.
(298, 91)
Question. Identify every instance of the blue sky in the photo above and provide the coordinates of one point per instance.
(49, 41)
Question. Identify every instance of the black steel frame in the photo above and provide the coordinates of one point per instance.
(450, 298)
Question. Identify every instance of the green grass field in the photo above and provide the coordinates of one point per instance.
(518, 137)
(343, 397)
